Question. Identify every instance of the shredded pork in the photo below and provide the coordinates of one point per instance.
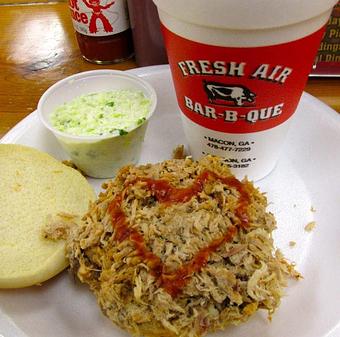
(243, 275)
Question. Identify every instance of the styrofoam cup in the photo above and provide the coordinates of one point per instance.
(239, 68)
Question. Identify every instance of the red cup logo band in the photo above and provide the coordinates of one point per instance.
(239, 89)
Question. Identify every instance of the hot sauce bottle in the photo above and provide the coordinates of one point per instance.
(102, 30)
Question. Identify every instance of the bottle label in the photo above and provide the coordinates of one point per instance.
(239, 90)
(99, 17)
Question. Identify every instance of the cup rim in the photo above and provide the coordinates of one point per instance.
(92, 73)
(216, 15)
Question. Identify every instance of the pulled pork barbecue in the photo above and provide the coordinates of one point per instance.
(179, 248)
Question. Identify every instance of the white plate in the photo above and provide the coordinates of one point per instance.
(307, 175)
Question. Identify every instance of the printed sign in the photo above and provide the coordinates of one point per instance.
(328, 59)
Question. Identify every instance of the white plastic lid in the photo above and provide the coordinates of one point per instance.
(244, 14)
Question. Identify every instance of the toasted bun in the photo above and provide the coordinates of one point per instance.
(33, 187)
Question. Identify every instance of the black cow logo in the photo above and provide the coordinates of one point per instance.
(220, 93)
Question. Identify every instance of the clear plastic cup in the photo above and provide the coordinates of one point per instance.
(97, 156)
(239, 68)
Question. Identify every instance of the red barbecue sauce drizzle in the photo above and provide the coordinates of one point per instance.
(165, 193)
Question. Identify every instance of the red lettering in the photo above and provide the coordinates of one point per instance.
(74, 4)
(84, 18)
(73, 14)
(77, 15)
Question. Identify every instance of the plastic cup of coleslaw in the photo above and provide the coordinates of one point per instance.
(99, 117)
(239, 68)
